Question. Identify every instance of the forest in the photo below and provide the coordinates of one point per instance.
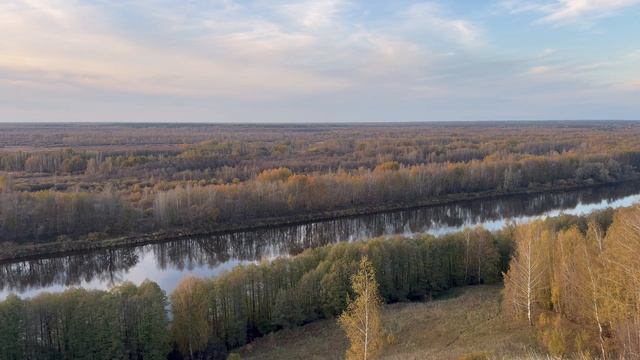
(60, 183)
(579, 288)
(573, 279)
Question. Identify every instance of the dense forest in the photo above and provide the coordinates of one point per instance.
(572, 278)
(579, 287)
(127, 322)
(90, 182)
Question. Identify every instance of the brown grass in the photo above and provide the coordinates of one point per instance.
(466, 325)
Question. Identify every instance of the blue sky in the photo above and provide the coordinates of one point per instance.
(323, 60)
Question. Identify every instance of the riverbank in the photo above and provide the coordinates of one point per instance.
(29, 252)
(467, 324)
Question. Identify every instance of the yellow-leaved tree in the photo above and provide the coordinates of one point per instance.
(189, 308)
(622, 274)
(361, 319)
(526, 284)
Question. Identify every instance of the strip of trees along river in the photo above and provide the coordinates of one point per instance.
(44, 216)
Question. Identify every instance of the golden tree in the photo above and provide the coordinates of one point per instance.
(577, 284)
(527, 281)
(622, 266)
(361, 320)
(189, 308)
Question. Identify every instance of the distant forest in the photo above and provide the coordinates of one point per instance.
(91, 182)
(572, 279)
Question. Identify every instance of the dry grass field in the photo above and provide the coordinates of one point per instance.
(464, 325)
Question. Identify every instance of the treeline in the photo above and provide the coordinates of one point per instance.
(153, 153)
(126, 322)
(579, 287)
(212, 315)
(53, 215)
(281, 193)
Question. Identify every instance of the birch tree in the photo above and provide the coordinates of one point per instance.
(190, 311)
(577, 283)
(592, 264)
(595, 234)
(361, 320)
(527, 279)
(622, 262)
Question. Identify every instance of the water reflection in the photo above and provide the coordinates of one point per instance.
(167, 262)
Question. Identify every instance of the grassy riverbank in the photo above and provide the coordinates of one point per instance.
(465, 323)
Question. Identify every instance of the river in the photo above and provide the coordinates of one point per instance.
(167, 262)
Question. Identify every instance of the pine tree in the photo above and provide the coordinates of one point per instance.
(361, 320)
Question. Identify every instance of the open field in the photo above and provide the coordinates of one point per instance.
(467, 322)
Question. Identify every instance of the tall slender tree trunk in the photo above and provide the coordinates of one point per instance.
(594, 300)
(480, 247)
(366, 323)
(466, 259)
(529, 269)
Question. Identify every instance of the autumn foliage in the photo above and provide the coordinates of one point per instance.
(572, 279)
(361, 319)
(102, 181)
(578, 286)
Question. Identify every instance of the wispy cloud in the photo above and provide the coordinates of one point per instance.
(432, 18)
(226, 50)
(536, 70)
(312, 13)
(67, 42)
(569, 11)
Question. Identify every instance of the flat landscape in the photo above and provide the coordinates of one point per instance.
(271, 241)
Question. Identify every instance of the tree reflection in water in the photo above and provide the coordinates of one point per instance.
(208, 255)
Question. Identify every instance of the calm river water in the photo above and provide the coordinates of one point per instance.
(167, 262)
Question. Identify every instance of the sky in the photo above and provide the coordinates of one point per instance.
(318, 61)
